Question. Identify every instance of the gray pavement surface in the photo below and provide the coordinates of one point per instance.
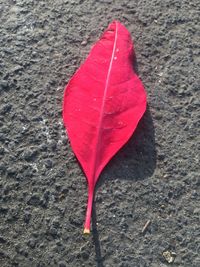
(155, 177)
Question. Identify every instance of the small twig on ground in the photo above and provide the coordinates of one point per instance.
(144, 229)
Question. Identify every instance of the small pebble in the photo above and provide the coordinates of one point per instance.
(169, 256)
(84, 43)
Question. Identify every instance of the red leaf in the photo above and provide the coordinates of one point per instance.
(103, 103)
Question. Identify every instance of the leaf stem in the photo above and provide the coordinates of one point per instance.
(89, 210)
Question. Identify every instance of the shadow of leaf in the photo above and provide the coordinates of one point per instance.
(137, 159)
(99, 258)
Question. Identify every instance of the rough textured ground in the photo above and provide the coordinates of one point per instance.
(155, 177)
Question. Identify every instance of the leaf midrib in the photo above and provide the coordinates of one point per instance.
(99, 128)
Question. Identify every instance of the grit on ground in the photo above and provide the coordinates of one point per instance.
(147, 200)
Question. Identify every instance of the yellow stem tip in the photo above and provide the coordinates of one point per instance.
(86, 231)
